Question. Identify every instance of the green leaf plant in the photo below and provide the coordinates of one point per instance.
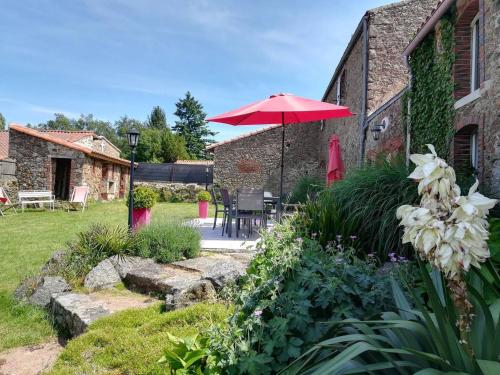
(421, 337)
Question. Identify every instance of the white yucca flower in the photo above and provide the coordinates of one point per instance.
(448, 230)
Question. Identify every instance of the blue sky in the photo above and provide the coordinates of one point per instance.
(122, 57)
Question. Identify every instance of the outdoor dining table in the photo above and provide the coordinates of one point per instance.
(267, 200)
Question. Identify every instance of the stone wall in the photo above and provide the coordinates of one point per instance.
(34, 169)
(99, 144)
(104, 147)
(391, 27)
(346, 128)
(105, 180)
(254, 161)
(391, 140)
(485, 111)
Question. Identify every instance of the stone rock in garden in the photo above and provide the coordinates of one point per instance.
(50, 285)
(54, 263)
(102, 276)
(27, 287)
(124, 264)
(218, 269)
(199, 291)
(160, 279)
(74, 312)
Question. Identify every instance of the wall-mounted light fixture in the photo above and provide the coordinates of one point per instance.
(379, 128)
(376, 129)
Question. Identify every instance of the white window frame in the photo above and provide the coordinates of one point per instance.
(339, 85)
(474, 151)
(474, 53)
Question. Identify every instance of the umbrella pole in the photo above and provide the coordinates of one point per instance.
(282, 159)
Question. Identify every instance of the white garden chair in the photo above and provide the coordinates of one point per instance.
(79, 197)
(5, 202)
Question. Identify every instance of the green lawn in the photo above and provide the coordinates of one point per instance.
(28, 239)
(131, 342)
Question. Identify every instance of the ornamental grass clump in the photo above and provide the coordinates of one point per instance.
(447, 230)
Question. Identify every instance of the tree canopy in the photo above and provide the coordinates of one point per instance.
(2, 122)
(192, 126)
(157, 119)
(157, 143)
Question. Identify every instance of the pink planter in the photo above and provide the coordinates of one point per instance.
(140, 217)
(203, 210)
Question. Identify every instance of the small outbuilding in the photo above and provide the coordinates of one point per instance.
(59, 160)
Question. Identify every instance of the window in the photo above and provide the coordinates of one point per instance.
(341, 82)
(466, 68)
(466, 152)
(338, 90)
(474, 48)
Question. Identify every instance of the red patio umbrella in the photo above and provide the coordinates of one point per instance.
(282, 109)
(335, 169)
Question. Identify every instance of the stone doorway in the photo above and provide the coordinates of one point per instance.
(62, 178)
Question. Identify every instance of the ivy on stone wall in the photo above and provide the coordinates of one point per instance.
(431, 110)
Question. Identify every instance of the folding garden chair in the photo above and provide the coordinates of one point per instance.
(5, 202)
(79, 198)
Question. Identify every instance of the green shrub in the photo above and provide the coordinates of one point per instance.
(417, 337)
(168, 242)
(364, 204)
(144, 197)
(292, 288)
(304, 188)
(203, 196)
(91, 247)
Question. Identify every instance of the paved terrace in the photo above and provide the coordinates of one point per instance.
(212, 239)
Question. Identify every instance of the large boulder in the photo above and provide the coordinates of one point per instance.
(49, 286)
(54, 264)
(74, 312)
(219, 269)
(199, 291)
(125, 264)
(102, 276)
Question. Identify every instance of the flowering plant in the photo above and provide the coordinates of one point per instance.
(447, 230)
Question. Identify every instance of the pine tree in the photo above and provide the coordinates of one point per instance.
(2, 122)
(192, 126)
(157, 119)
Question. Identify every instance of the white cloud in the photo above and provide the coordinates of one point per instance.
(37, 108)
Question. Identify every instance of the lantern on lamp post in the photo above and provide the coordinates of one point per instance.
(133, 140)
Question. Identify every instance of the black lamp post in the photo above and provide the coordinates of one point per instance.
(206, 176)
(133, 140)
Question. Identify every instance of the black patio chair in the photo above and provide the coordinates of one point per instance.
(228, 207)
(219, 205)
(249, 207)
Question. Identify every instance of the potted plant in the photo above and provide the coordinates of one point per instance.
(203, 199)
(144, 199)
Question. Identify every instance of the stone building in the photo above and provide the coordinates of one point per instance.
(476, 78)
(60, 160)
(369, 79)
(254, 158)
